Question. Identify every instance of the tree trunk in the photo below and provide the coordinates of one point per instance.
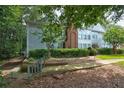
(66, 30)
(114, 49)
(49, 53)
(70, 27)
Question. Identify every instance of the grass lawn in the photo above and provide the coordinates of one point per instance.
(110, 56)
(121, 63)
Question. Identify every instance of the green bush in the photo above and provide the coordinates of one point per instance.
(38, 53)
(8, 53)
(104, 51)
(69, 52)
(92, 52)
(72, 52)
(3, 82)
(120, 51)
(108, 51)
(58, 53)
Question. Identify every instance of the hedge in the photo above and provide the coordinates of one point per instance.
(59, 53)
(38, 53)
(108, 51)
(72, 52)
(8, 53)
(75, 52)
(104, 51)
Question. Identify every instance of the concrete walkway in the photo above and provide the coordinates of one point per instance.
(83, 65)
(90, 63)
(108, 61)
(6, 72)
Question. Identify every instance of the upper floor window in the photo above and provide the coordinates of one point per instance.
(94, 36)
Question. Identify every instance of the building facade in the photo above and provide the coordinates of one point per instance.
(34, 38)
(81, 38)
(92, 36)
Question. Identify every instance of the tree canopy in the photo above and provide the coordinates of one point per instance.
(114, 36)
(71, 17)
(11, 30)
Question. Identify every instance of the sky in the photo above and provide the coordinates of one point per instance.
(121, 23)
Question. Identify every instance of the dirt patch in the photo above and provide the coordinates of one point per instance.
(13, 62)
(108, 76)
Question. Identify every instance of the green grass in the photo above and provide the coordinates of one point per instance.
(110, 56)
(120, 63)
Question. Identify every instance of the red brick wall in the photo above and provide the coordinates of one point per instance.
(72, 38)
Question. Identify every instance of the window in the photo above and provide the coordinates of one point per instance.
(84, 45)
(81, 45)
(81, 36)
(89, 45)
(94, 36)
(89, 37)
(85, 36)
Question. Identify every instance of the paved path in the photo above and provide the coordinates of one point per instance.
(90, 63)
(83, 65)
(6, 72)
(108, 61)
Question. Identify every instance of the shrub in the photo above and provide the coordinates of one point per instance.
(3, 82)
(95, 45)
(8, 53)
(38, 53)
(92, 52)
(120, 51)
(73, 52)
(104, 51)
(108, 51)
(68, 52)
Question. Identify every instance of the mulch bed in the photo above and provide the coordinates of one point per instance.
(12, 62)
(109, 76)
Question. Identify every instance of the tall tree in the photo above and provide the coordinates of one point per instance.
(11, 30)
(73, 17)
(81, 16)
(114, 36)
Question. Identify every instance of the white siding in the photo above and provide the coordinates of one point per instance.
(96, 37)
(34, 39)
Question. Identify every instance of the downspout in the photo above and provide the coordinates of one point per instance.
(27, 50)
